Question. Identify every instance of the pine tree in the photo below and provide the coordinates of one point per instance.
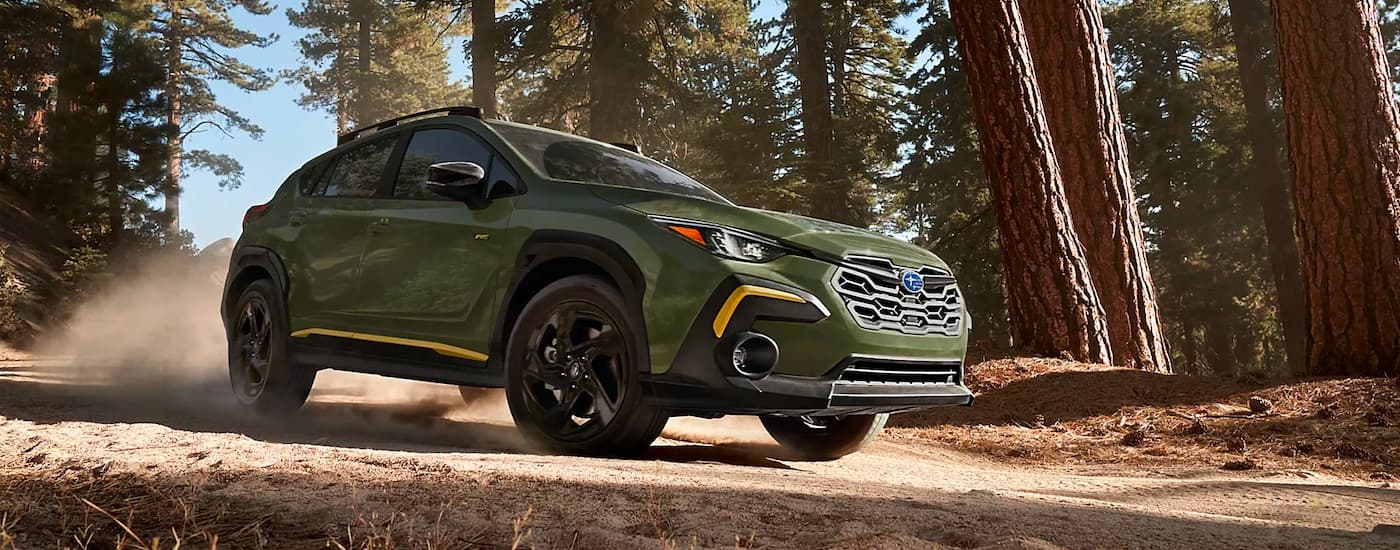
(1251, 27)
(1070, 49)
(370, 60)
(1054, 308)
(1343, 130)
(198, 37)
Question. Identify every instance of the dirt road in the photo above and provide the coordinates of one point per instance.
(371, 460)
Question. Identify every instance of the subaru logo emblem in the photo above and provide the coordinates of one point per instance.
(912, 282)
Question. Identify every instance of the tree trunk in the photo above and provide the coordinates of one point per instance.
(174, 75)
(1054, 308)
(362, 100)
(1073, 71)
(828, 196)
(1343, 131)
(484, 56)
(615, 70)
(1268, 185)
(115, 214)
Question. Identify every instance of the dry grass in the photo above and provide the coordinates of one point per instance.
(78, 508)
(1039, 411)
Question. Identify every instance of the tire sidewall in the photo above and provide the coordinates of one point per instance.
(288, 385)
(849, 435)
(634, 427)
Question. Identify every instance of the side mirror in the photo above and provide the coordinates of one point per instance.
(457, 180)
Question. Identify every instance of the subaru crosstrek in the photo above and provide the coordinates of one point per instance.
(605, 291)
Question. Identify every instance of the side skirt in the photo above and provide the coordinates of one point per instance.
(391, 360)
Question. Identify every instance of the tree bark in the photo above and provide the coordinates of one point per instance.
(174, 137)
(828, 195)
(361, 100)
(616, 69)
(1054, 308)
(1343, 134)
(484, 56)
(1267, 183)
(1073, 71)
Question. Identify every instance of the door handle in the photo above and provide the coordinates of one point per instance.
(379, 226)
(297, 216)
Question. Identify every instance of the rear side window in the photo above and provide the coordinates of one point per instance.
(358, 171)
(431, 146)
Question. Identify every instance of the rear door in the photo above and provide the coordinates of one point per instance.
(432, 271)
(333, 220)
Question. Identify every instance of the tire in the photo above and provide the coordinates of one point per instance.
(572, 382)
(260, 367)
(824, 437)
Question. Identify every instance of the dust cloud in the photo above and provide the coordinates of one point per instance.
(153, 336)
(155, 329)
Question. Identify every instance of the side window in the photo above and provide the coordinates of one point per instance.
(432, 146)
(357, 172)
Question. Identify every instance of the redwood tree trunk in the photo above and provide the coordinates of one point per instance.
(1268, 185)
(1070, 50)
(484, 56)
(827, 195)
(1054, 308)
(1343, 133)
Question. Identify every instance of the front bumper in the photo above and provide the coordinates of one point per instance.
(827, 365)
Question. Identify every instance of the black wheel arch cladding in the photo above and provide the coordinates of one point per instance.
(549, 255)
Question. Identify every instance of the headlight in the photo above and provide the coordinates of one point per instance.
(725, 242)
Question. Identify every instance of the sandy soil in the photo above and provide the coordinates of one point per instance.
(374, 463)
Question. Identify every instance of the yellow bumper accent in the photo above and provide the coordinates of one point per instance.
(441, 349)
(744, 291)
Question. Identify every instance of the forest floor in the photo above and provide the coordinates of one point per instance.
(1044, 411)
(94, 454)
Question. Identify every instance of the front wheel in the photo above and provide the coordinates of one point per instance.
(824, 437)
(572, 379)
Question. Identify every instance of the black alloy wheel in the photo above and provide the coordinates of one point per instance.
(573, 383)
(260, 366)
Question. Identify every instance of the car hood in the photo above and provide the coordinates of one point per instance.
(827, 238)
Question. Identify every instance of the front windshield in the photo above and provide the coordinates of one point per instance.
(565, 157)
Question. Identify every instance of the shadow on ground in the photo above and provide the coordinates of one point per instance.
(49, 394)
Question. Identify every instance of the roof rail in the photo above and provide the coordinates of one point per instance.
(458, 110)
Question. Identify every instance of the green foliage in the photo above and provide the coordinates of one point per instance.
(196, 40)
(81, 275)
(14, 295)
(407, 59)
(1183, 109)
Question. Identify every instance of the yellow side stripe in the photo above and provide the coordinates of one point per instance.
(441, 349)
(727, 311)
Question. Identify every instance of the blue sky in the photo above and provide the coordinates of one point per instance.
(293, 134)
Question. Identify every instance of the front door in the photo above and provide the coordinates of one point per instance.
(432, 269)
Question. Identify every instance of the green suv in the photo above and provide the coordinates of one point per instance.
(605, 291)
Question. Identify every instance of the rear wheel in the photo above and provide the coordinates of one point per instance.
(824, 437)
(259, 361)
(572, 380)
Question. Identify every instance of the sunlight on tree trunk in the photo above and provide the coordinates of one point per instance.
(1054, 308)
(1343, 130)
(1070, 49)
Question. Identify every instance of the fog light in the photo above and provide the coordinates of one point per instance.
(753, 355)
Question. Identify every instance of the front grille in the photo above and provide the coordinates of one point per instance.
(889, 378)
(875, 298)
